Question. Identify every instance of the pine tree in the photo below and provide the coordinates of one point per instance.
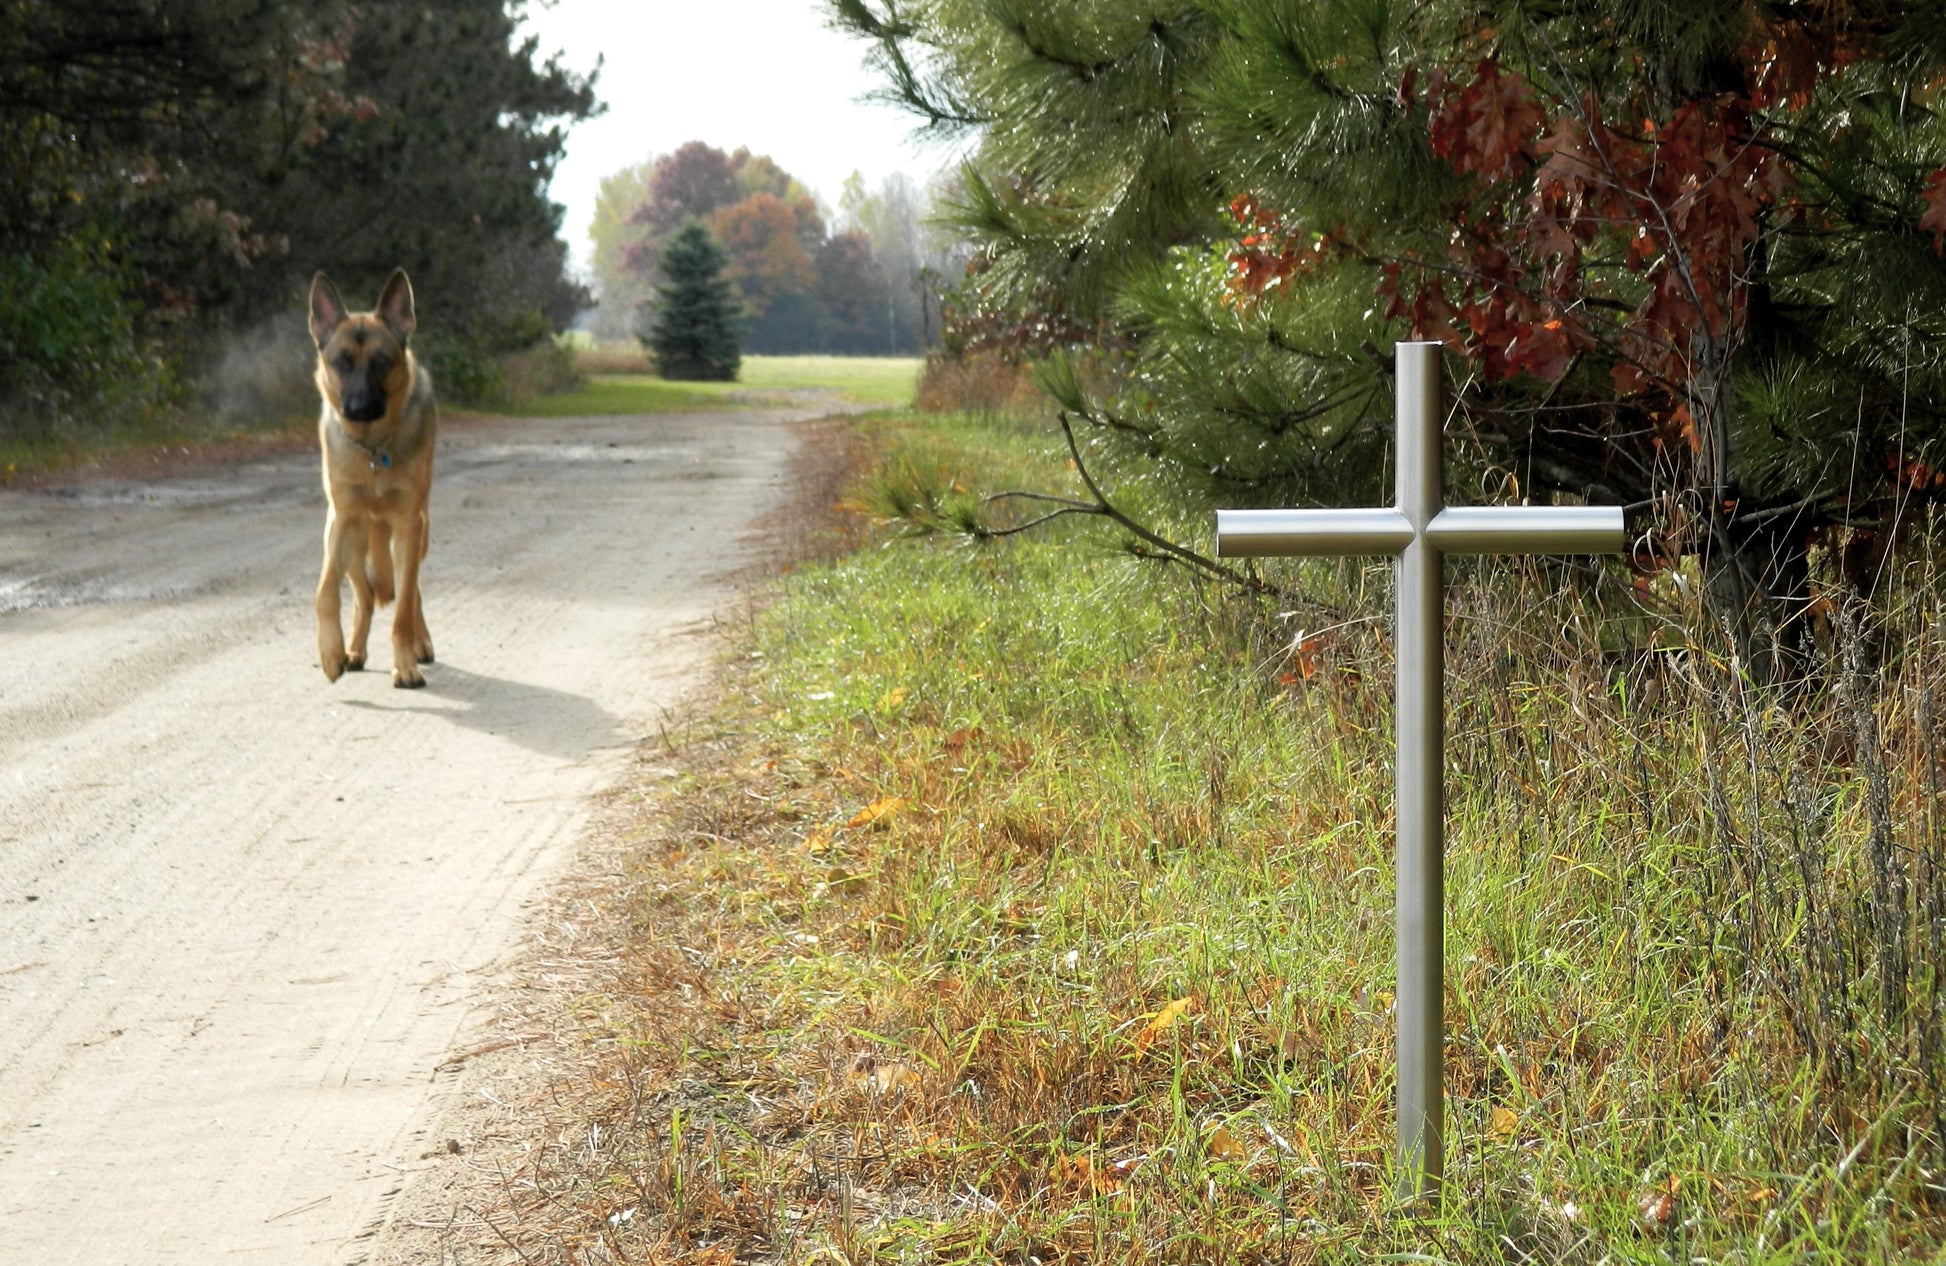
(696, 335)
(1689, 252)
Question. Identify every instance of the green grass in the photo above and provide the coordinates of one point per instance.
(607, 394)
(872, 380)
(1683, 1022)
(857, 380)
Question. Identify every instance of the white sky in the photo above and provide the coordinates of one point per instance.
(766, 74)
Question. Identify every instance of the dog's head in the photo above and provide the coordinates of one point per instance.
(364, 369)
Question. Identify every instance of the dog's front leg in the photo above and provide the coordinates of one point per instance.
(422, 637)
(370, 573)
(407, 623)
(340, 539)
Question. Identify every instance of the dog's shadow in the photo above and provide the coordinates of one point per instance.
(541, 719)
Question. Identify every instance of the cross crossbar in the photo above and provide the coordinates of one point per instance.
(1454, 530)
(1419, 532)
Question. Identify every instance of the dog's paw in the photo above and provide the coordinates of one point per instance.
(354, 663)
(408, 678)
(334, 668)
(425, 653)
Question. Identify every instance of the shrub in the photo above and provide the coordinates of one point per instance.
(68, 339)
(544, 369)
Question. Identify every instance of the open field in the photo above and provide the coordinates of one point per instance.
(1033, 902)
(619, 382)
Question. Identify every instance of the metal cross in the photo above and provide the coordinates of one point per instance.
(1419, 532)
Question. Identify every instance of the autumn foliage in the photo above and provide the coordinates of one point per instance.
(801, 286)
(1679, 201)
(1663, 270)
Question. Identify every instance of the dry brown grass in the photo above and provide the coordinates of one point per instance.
(615, 356)
(978, 384)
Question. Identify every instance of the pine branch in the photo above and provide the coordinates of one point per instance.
(891, 32)
(1168, 548)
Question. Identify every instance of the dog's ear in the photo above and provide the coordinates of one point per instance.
(327, 309)
(395, 305)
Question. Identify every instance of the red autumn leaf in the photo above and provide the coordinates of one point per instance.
(1485, 128)
(1683, 424)
(1304, 655)
(1934, 220)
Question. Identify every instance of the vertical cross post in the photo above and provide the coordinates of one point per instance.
(1418, 532)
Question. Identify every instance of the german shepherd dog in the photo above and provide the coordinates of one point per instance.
(376, 432)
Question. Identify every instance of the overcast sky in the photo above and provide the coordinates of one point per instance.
(763, 73)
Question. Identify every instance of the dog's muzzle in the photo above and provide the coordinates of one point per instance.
(364, 407)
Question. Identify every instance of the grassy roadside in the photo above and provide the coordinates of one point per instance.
(1032, 903)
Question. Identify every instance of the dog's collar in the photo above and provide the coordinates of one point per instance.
(380, 458)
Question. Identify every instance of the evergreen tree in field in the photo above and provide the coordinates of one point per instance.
(696, 334)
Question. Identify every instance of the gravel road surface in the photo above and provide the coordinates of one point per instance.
(244, 913)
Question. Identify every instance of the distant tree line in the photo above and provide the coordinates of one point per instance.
(868, 284)
(173, 171)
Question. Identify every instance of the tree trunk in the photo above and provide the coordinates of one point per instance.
(1756, 569)
(1757, 580)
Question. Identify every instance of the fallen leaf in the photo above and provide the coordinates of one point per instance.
(882, 1076)
(1657, 1205)
(956, 742)
(890, 1078)
(1223, 1145)
(891, 699)
(841, 880)
(1073, 1171)
(1657, 1208)
(877, 811)
(1267, 988)
(1161, 1020)
(1080, 1172)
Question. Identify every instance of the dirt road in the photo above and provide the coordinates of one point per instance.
(243, 912)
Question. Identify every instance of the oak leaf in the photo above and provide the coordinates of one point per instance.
(1486, 127)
